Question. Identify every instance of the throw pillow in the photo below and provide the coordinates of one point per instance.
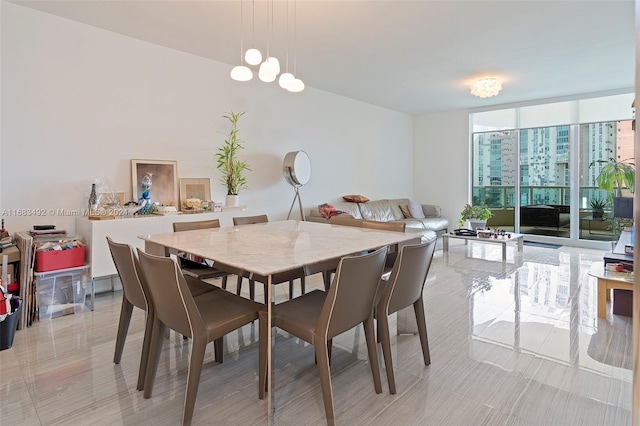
(404, 208)
(355, 198)
(327, 211)
(416, 210)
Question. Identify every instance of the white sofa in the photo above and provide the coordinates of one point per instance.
(388, 210)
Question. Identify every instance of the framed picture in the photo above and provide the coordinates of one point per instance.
(164, 180)
(195, 190)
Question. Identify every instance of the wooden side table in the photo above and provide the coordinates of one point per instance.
(608, 280)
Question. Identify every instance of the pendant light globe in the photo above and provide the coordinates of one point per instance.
(241, 73)
(253, 56)
(296, 86)
(285, 79)
(273, 64)
(265, 73)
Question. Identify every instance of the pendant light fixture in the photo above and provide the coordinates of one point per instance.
(253, 55)
(296, 85)
(241, 72)
(270, 68)
(286, 77)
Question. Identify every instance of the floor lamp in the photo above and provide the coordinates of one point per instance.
(297, 172)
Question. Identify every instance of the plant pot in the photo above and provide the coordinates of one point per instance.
(597, 213)
(477, 223)
(233, 201)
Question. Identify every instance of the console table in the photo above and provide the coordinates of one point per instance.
(127, 230)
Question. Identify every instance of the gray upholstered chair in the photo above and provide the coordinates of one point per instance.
(136, 294)
(318, 316)
(404, 288)
(196, 269)
(287, 276)
(204, 319)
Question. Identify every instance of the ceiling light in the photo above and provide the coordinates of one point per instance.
(285, 79)
(265, 73)
(296, 85)
(273, 64)
(253, 56)
(241, 73)
(486, 87)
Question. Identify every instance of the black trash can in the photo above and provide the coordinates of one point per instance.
(9, 326)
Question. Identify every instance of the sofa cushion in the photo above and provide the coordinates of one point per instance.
(395, 207)
(379, 210)
(404, 208)
(355, 198)
(416, 210)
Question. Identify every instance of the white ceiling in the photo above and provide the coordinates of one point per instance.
(410, 56)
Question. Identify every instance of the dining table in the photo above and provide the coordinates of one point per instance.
(265, 249)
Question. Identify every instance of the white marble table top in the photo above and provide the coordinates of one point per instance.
(272, 247)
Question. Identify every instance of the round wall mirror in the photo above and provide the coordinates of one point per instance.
(297, 168)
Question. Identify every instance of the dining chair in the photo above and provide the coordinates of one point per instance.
(193, 268)
(279, 278)
(204, 319)
(136, 294)
(318, 316)
(346, 220)
(404, 288)
(386, 226)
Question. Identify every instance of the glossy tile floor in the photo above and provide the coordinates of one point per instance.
(515, 343)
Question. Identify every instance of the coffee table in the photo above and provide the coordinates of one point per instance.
(516, 239)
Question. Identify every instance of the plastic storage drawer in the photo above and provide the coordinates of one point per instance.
(61, 292)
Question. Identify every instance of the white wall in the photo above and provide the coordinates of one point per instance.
(80, 102)
(441, 161)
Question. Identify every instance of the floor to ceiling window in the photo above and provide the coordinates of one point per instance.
(536, 167)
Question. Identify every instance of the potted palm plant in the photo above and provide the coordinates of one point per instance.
(229, 164)
(597, 207)
(476, 215)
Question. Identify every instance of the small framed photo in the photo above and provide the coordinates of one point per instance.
(194, 192)
(164, 180)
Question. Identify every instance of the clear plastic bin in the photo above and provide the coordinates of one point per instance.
(61, 292)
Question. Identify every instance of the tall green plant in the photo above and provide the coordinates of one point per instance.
(615, 175)
(228, 163)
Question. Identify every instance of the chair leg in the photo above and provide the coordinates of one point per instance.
(262, 354)
(385, 339)
(218, 346)
(325, 380)
(239, 285)
(123, 327)
(198, 348)
(157, 338)
(369, 335)
(252, 290)
(146, 345)
(418, 307)
(224, 282)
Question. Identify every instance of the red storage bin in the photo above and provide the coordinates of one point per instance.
(59, 259)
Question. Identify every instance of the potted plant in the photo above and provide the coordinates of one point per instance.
(615, 175)
(228, 163)
(597, 207)
(476, 215)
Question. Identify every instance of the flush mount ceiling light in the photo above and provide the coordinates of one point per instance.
(486, 87)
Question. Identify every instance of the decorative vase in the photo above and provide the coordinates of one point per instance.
(477, 223)
(233, 200)
(93, 198)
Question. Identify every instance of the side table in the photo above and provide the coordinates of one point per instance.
(608, 280)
